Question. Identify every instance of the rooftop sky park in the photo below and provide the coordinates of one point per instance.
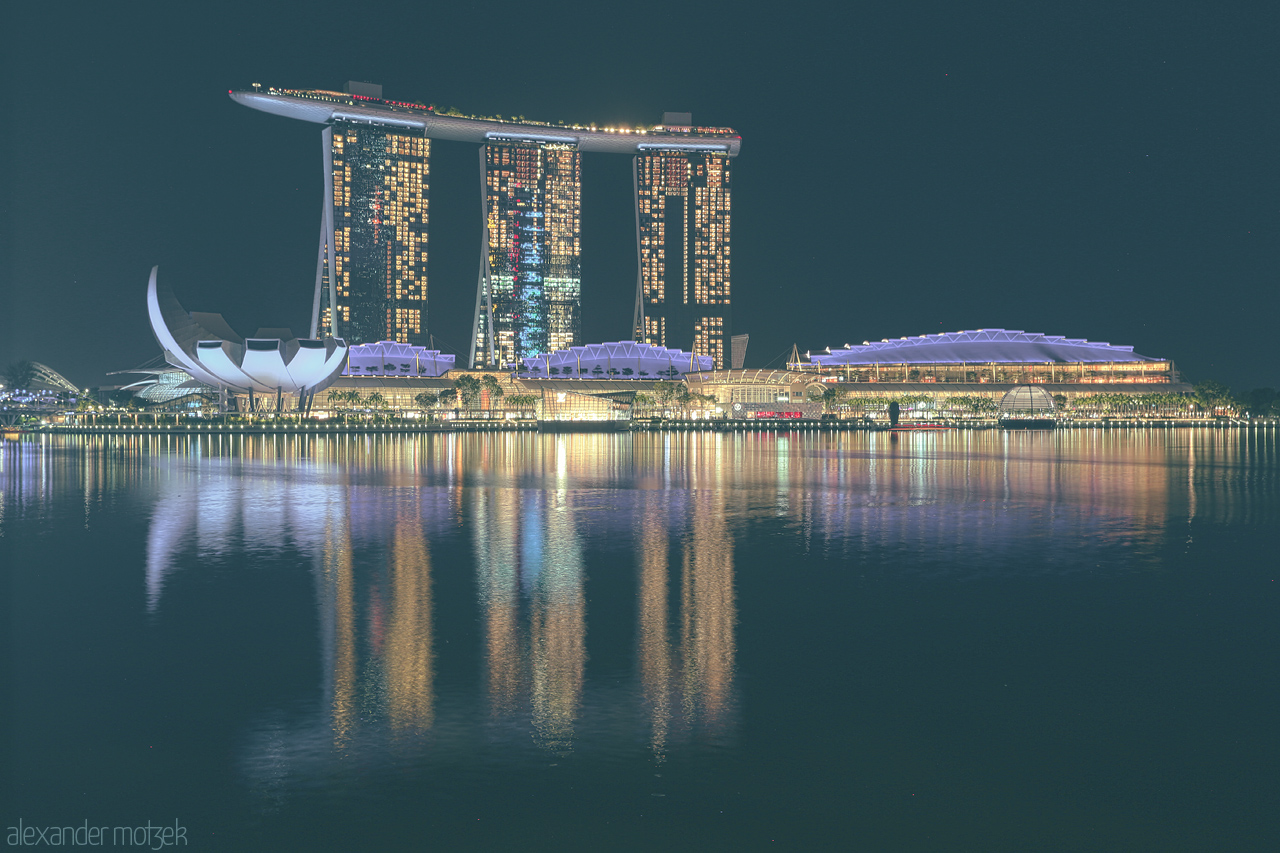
(371, 270)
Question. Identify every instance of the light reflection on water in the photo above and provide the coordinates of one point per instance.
(374, 516)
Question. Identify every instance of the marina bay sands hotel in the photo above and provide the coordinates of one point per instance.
(371, 272)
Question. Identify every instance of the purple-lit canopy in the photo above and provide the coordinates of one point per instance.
(978, 347)
(621, 358)
(388, 358)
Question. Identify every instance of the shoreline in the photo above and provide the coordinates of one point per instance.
(598, 427)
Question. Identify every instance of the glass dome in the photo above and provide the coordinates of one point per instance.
(1026, 401)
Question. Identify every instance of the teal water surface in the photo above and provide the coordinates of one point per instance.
(943, 641)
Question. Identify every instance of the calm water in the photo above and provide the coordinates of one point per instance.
(963, 641)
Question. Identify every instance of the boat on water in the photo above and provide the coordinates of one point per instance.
(921, 427)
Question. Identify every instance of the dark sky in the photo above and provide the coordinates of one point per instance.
(1099, 170)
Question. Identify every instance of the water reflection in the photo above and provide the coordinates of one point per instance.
(375, 602)
(409, 656)
(530, 584)
(686, 670)
(401, 532)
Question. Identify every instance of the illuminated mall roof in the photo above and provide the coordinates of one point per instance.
(626, 358)
(980, 346)
(389, 358)
(322, 107)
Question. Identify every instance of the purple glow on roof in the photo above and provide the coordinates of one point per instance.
(979, 346)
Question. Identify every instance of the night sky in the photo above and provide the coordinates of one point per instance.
(1098, 170)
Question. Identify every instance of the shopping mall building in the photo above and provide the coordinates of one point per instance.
(946, 369)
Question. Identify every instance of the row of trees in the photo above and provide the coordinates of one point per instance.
(467, 394)
(1207, 399)
(668, 396)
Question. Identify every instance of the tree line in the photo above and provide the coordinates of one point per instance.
(1207, 398)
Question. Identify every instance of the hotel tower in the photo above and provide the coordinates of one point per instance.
(682, 237)
(371, 276)
(528, 300)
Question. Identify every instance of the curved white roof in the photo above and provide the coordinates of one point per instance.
(52, 379)
(206, 348)
(323, 107)
(979, 346)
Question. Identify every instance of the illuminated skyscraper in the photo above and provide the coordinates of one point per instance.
(682, 225)
(528, 299)
(371, 280)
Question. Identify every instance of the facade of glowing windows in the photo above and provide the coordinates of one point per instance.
(371, 279)
(683, 225)
(528, 298)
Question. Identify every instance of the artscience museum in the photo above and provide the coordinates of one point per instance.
(267, 369)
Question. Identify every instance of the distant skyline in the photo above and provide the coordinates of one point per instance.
(1104, 171)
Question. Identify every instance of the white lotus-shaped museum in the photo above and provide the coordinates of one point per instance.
(272, 362)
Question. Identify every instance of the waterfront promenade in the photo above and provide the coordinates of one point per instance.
(260, 427)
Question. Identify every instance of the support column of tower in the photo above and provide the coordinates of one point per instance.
(326, 280)
(483, 323)
(637, 320)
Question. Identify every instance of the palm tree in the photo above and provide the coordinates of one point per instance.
(426, 400)
(522, 402)
(488, 383)
(683, 397)
(468, 388)
(830, 395)
(664, 392)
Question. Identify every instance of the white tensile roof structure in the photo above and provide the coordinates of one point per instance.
(206, 347)
(49, 378)
(980, 346)
(627, 359)
(388, 358)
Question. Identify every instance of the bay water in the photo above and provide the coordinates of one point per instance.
(967, 640)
